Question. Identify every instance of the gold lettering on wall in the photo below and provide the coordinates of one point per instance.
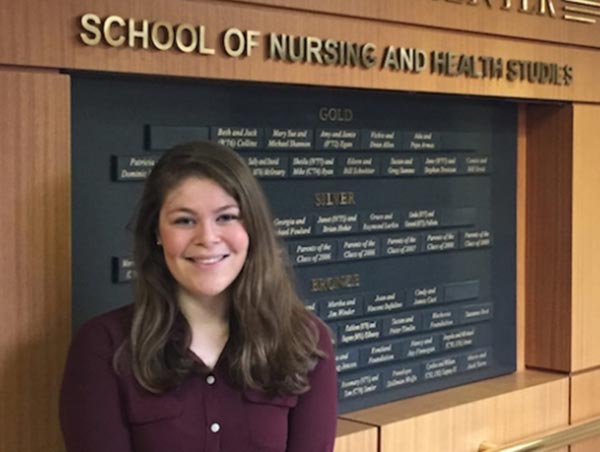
(331, 199)
(329, 52)
(117, 31)
(136, 33)
(240, 43)
(110, 39)
(90, 22)
(541, 7)
(162, 35)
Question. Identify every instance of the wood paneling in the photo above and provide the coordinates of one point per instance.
(585, 405)
(463, 16)
(590, 445)
(548, 241)
(356, 437)
(25, 26)
(35, 260)
(586, 237)
(498, 410)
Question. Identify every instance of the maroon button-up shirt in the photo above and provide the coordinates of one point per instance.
(101, 411)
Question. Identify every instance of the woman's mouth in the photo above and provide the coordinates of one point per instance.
(208, 260)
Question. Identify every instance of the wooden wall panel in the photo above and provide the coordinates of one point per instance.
(35, 260)
(356, 437)
(586, 237)
(498, 410)
(548, 243)
(585, 405)
(463, 16)
(55, 25)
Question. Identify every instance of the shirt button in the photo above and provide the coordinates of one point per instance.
(210, 379)
(215, 427)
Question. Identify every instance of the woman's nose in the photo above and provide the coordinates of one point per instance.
(206, 233)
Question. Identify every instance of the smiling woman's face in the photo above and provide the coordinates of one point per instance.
(204, 240)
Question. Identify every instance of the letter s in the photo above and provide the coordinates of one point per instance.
(90, 23)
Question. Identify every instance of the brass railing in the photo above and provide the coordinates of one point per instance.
(551, 441)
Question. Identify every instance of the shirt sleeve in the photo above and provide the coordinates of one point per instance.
(312, 423)
(91, 414)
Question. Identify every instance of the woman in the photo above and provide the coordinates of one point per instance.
(217, 352)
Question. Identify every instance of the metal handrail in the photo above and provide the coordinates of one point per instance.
(551, 441)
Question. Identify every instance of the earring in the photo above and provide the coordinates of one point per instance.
(158, 242)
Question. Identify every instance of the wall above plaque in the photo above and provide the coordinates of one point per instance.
(397, 212)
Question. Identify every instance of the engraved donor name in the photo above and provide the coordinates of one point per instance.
(401, 377)
(441, 242)
(360, 386)
(442, 368)
(313, 161)
(477, 360)
(477, 164)
(381, 354)
(401, 245)
(381, 140)
(360, 249)
(421, 346)
(402, 325)
(422, 141)
(343, 362)
(474, 313)
(290, 138)
(141, 174)
(237, 137)
(289, 133)
(338, 139)
(367, 379)
(440, 165)
(402, 166)
(384, 302)
(360, 326)
(476, 239)
(421, 219)
(359, 166)
(236, 132)
(313, 253)
(337, 219)
(458, 339)
(424, 296)
(381, 222)
(263, 161)
(338, 134)
(141, 161)
(292, 226)
(360, 331)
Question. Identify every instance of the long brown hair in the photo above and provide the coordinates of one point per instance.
(273, 340)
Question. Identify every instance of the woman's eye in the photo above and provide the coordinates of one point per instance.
(184, 221)
(227, 217)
